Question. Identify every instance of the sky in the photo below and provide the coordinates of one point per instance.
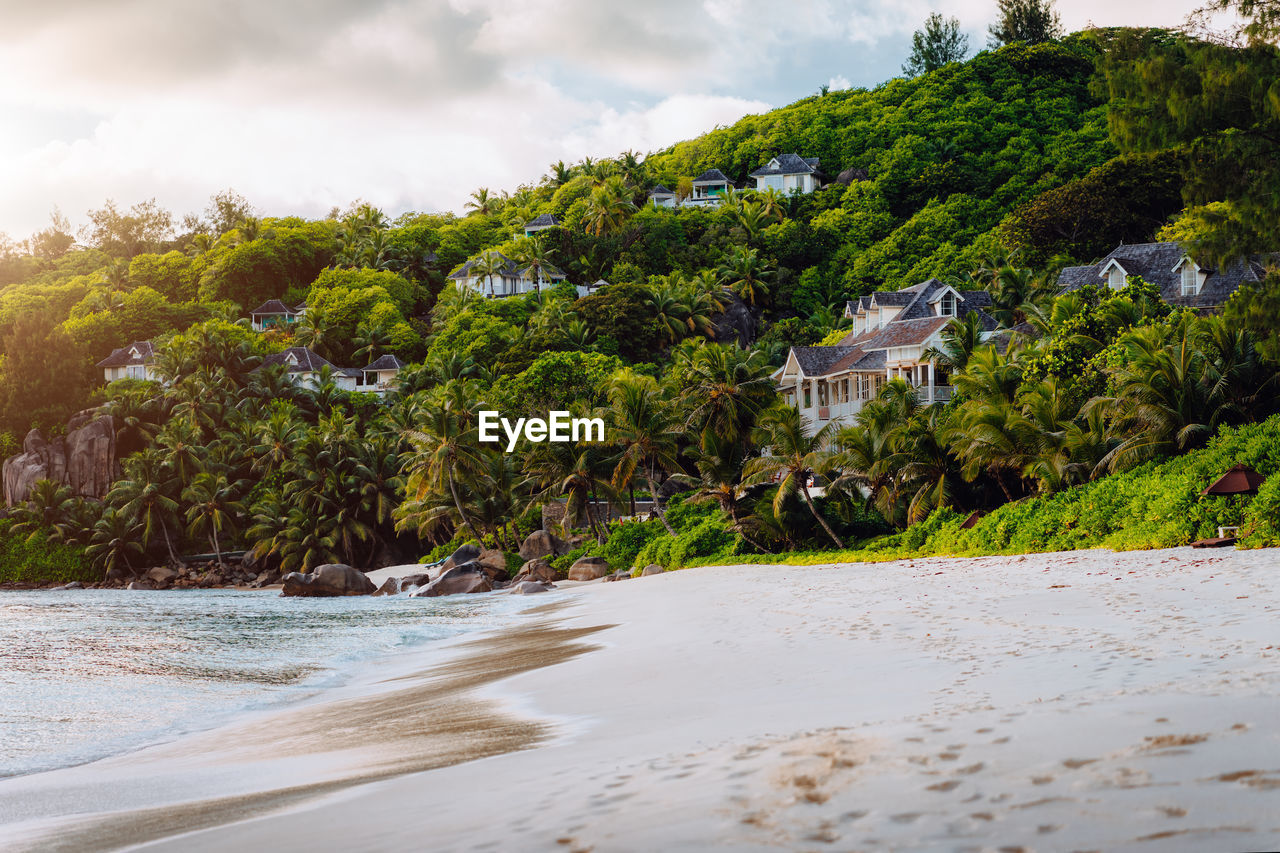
(411, 104)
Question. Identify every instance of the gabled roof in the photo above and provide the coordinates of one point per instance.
(301, 360)
(788, 164)
(275, 306)
(711, 176)
(138, 352)
(546, 220)
(386, 362)
(817, 361)
(1160, 264)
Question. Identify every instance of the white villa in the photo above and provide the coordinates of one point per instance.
(136, 361)
(1182, 281)
(510, 280)
(380, 376)
(303, 368)
(891, 331)
(660, 196)
(275, 314)
(789, 174)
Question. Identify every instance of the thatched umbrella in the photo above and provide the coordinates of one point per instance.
(1240, 480)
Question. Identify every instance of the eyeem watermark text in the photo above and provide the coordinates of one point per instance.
(558, 426)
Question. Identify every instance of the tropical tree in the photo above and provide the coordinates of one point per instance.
(788, 456)
(940, 43)
(113, 541)
(745, 273)
(145, 494)
(646, 433)
(214, 507)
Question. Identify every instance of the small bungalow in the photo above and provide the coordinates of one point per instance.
(1182, 281)
(136, 361)
(304, 367)
(510, 280)
(380, 376)
(588, 289)
(788, 174)
(274, 314)
(708, 187)
(540, 223)
(660, 196)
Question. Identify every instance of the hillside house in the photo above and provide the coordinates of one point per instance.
(510, 280)
(708, 187)
(789, 174)
(540, 223)
(660, 196)
(380, 375)
(303, 367)
(274, 314)
(1182, 282)
(891, 332)
(136, 361)
(588, 289)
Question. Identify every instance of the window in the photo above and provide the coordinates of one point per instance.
(1115, 278)
(947, 307)
(1190, 279)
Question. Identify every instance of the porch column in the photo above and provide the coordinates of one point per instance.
(931, 382)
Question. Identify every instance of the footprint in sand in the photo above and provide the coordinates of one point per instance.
(906, 817)
(943, 787)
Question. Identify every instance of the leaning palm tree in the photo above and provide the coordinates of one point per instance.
(789, 457)
(647, 434)
(145, 495)
(214, 507)
(446, 448)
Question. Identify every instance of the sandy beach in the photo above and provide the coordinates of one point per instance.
(1076, 701)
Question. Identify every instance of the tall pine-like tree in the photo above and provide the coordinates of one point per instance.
(1029, 21)
(939, 43)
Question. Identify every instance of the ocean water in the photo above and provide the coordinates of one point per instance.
(91, 673)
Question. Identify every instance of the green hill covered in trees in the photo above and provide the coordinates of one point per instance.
(992, 173)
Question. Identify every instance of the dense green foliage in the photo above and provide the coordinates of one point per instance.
(1092, 419)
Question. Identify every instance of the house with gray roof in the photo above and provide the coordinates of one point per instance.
(540, 223)
(1182, 281)
(660, 196)
(510, 280)
(892, 332)
(789, 174)
(136, 361)
(381, 374)
(708, 187)
(274, 314)
(306, 369)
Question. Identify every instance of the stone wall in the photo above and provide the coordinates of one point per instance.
(84, 459)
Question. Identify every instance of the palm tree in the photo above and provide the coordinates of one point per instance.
(446, 448)
(48, 512)
(114, 540)
(608, 207)
(647, 434)
(725, 388)
(486, 266)
(144, 495)
(745, 273)
(960, 337)
(531, 254)
(719, 464)
(483, 203)
(560, 173)
(789, 456)
(371, 340)
(215, 506)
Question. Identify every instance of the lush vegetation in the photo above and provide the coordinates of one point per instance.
(1088, 421)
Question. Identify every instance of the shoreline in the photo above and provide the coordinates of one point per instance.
(1088, 699)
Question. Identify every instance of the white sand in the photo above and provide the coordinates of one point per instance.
(1083, 700)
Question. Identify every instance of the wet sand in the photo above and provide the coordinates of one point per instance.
(1086, 700)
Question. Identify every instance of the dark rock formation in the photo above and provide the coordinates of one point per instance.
(619, 575)
(848, 176)
(737, 323)
(541, 543)
(588, 569)
(328, 581)
(84, 459)
(391, 586)
(466, 578)
(651, 569)
(495, 564)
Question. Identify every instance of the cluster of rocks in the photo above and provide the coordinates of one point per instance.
(84, 459)
(470, 569)
(205, 576)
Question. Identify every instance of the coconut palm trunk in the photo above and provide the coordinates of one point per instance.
(657, 502)
(466, 519)
(804, 493)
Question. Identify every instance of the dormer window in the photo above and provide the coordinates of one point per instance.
(1115, 278)
(1190, 279)
(947, 305)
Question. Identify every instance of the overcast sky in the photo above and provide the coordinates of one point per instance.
(410, 104)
